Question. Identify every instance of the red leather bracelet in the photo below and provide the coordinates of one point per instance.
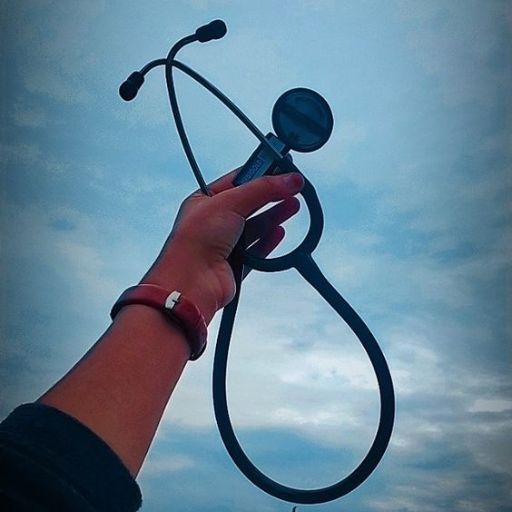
(175, 306)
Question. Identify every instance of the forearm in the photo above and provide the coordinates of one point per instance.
(120, 388)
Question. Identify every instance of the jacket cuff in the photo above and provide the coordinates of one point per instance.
(73, 453)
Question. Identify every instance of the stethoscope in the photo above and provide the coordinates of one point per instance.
(302, 121)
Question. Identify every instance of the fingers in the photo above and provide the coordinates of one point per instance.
(258, 226)
(265, 245)
(251, 196)
(224, 182)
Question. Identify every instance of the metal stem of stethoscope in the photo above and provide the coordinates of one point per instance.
(300, 259)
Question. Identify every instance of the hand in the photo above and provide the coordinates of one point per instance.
(207, 228)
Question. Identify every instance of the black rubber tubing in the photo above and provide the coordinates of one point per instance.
(306, 266)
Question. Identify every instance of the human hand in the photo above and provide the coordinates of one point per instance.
(207, 228)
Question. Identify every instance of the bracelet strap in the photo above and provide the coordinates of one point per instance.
(175, 306)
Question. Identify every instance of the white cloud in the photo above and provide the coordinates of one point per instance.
(491, 405)
(458, 52)
(64, 238)
(57, 85)
(29, 117)
(325, 168)
(19, 153)
(168, 463)
(67, 246)
(55, 61)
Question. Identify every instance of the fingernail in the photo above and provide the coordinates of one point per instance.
(293, 181)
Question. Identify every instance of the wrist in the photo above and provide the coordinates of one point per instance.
(178, 271)
(173, 305)
(158, 334)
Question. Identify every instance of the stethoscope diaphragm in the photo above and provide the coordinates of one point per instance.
(302, 119)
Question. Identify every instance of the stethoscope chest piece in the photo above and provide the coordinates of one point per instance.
(302, 119)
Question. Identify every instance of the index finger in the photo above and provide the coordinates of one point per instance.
(224, 182)
(251, 196)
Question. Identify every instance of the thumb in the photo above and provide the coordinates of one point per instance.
(252, 196)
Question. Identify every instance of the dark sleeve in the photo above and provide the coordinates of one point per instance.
(49, 461)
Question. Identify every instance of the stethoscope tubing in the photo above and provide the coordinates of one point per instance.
(303, 262)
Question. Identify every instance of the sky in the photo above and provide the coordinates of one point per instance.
(415, 183)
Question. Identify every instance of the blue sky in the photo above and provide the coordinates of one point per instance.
(416, 187)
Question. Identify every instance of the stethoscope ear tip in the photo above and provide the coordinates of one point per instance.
(130, 87)
(216, 29)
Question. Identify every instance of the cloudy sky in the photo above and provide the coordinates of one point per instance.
(416, 188)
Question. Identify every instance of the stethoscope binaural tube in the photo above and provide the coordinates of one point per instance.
(301, 259)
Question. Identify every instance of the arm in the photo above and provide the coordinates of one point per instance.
(120, 388)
